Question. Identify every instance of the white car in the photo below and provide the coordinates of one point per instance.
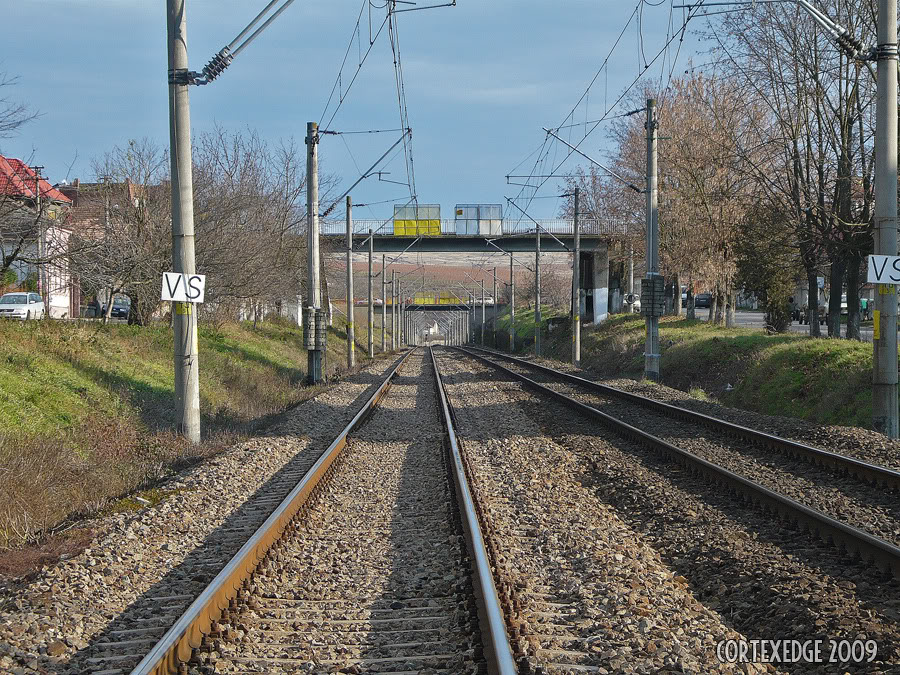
(23, 306)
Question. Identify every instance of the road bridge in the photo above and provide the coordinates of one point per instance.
(557, 235)
(506, 236)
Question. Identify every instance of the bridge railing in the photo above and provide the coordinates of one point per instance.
(611, 227)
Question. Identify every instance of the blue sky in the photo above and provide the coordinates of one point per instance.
(481, 80)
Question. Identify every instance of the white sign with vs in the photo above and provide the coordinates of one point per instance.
(183, 287)
(884, 269)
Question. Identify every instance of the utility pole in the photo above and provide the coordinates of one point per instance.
(351, 301)
(512, 306)
(884, 371)
(187, 368)
(393, 310)
(474, 315)
(494, 310)
(315, 323)
(482, 312)
(537, 291)
(371, 312)
(576, 287)
(631, 274)
(652, 290)
(383, 305)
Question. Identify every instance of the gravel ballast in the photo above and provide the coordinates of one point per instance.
(735, 570)
(834, 493)
(105, 607)
(375, 577)
(864, 444)
(591, 592)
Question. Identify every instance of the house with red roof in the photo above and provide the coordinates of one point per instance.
(34, 237)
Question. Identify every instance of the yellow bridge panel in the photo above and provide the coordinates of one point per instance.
(417, 228)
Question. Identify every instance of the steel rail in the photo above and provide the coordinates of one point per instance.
(877, 475)
(495, 640)
(186, 634)
(884, 555)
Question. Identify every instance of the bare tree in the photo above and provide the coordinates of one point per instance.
(127, 244)
(250, 218)
(13, 114)
(819, 125)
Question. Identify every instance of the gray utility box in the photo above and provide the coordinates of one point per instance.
(481, 219)
(653, 296)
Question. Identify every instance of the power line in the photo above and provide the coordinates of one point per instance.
(393, 32)
(342, 93)
(647, 66)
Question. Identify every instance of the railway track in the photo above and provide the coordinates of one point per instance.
(374, 562)
(585, 595)
(771, 471)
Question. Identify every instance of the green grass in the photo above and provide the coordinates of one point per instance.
(58, 375)
(525, 326)
(822, 380)
(87, 411)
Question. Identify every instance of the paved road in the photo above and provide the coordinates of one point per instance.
(757, 320)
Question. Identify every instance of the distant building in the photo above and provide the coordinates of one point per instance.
(34, 237)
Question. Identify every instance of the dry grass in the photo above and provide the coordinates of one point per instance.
(87, 412)
(46, 480)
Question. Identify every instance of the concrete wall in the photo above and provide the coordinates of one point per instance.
(600, 283)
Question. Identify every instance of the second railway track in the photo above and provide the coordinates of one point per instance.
(825, 491)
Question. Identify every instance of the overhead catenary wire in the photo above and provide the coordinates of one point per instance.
(365, 175)
(394, 34)
(603, 68)
(618, 100)
(342, 93)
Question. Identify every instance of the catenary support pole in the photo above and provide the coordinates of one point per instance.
(537, 291)
(631, 274)
(512, 305)
(576, 285)
(884, 371)
(371, 308)
(351, 300)
(482, 312)
(383, 305)
(494, 311)
(651, 314)
(474, 337)
(314, 292)
(393, 310)
(187, 367)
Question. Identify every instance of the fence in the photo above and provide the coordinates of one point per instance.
(448, 228)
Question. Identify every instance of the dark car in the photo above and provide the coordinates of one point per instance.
(703, 300)
(120, 309)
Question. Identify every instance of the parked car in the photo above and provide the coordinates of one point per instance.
(702, 300)
(22, 306)
(120, 309)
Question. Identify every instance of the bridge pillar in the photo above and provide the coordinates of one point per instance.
(601, 282)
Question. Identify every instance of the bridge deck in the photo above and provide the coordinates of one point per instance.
(513, 236)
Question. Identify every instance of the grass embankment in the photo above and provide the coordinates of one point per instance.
(525, 326)
(822, 380)
(87, 411)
